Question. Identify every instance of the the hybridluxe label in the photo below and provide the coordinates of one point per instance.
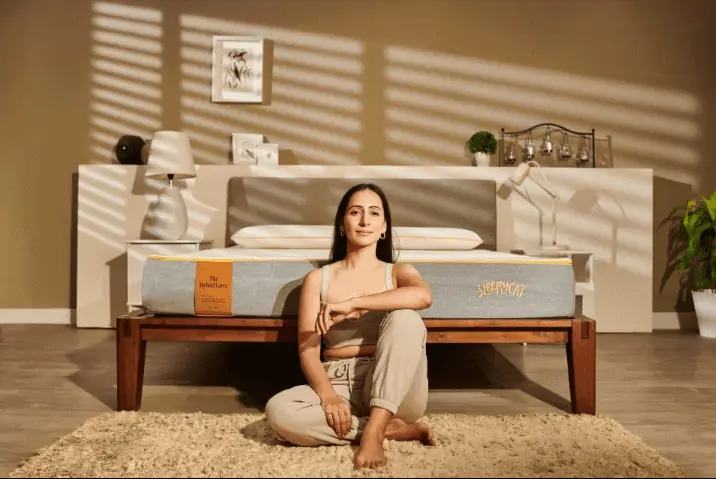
(212, 290)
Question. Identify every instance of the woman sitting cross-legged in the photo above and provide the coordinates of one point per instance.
(373, 383)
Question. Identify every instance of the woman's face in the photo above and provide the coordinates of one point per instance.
(364, 220)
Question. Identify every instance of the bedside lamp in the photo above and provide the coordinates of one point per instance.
(514, 182)
(170, 157)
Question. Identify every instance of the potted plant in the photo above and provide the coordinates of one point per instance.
(695, 229)
(482, 145)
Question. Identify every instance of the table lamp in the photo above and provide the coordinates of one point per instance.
(170, 157)
(514, 182)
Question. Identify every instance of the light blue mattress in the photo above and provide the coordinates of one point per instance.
(478, 284)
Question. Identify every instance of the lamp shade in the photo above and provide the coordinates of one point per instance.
(513, 181)
(520, 174)
(170, 154)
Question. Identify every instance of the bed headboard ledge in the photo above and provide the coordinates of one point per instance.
(444, 202)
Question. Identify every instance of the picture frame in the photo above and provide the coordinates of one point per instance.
(267, 154)
(244, 148)
(237, 69)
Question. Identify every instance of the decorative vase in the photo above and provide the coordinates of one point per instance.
(705, 308)
(482, 159)
(167, 218)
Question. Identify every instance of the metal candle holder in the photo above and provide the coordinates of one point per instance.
(580, 156)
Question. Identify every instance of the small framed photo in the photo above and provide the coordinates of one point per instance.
(267, 154)
(237, 69)
(244, 148)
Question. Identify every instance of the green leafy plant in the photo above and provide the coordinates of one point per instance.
(693, 241)
(483, 142)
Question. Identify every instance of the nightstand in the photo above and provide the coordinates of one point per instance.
(583, 266)
(137, 253)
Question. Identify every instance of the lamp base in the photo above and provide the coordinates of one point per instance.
(554, 248)
(167, 218)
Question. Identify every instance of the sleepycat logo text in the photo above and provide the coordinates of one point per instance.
(500, 288)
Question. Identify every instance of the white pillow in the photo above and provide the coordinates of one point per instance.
(445, 239)
(284, 236)
(321, 237)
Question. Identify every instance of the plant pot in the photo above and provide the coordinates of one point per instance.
(705, 308)
(482, 159)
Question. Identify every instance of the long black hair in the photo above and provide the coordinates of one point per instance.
(384, 248)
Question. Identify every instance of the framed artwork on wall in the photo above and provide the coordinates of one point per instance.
(237, 69)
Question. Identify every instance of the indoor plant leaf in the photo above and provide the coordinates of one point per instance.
(692, 247)
(710, 204)
(698, 227)
(482, 142)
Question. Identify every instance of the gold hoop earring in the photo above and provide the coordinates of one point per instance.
(382, 235)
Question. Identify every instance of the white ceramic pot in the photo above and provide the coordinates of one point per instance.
(705, 308)
(482, 159)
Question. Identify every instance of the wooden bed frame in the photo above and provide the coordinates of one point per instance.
(133, 331)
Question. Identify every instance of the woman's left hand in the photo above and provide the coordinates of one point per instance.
(332, 313)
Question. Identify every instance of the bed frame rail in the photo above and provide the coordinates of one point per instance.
(578, 334)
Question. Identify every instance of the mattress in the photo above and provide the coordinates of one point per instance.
(235, 281)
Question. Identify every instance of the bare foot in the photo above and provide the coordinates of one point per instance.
(398, 430)
(370, 453)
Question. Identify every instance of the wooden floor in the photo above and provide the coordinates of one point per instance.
(661, 386)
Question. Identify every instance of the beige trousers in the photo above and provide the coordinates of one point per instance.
(395, 378)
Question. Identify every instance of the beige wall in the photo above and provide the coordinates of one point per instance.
(640, 71)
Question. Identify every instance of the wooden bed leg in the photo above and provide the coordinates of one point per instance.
(581, 364)
(131, 350)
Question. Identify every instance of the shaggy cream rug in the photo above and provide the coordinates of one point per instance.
(131, 444)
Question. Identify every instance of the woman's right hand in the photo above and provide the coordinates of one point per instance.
(338, 414)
